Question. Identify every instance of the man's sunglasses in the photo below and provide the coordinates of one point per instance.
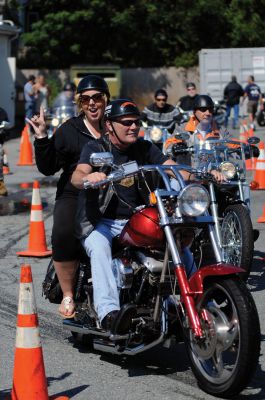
(191, 89)
(129, 122)
(204, 109)
(161, 99)
(97, 98)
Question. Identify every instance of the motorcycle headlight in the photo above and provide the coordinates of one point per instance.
(156, 134)
(228, 169)
(193, 200)
(55, 122)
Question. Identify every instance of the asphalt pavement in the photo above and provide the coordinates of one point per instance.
(73, 370)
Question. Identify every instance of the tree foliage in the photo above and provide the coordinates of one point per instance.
(139, 33)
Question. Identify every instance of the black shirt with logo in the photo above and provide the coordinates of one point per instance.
(127, 195)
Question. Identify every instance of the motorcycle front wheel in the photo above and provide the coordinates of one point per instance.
(225, 360)
(237, 237)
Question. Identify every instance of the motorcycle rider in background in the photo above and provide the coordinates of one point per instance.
(110, 208)
(186, 103)
(66, 97)
(3, 117)
(203, 112)
(203, 109)
(161, 113)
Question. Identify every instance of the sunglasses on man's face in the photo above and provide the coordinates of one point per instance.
(161, 99)
(97, 98)
(204, 109)
(191, 89)
(129, 122)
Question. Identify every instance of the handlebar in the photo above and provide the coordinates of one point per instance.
(132, 168)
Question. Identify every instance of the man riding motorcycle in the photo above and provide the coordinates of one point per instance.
(102, 215)
(203, 113)
(160, 113)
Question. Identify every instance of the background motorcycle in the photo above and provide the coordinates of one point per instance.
(212, 311)
(62, 109)
(219, 112)
(261, 113)
(229, 200)
(4, 125)
(156, 134)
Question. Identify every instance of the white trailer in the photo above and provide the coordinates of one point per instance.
(8, 31)
(218, 65)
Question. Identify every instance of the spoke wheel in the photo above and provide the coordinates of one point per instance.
(224, 361)
(237, 237)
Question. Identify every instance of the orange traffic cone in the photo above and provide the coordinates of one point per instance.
(259, 177)
(251, 131)
(6, 169)
(37, 242)
(249, 164)
(25, 157)
(29, 380)
(25, 185)
(242, 133)
(262, 217)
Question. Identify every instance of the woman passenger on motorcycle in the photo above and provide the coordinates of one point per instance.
(62, 151)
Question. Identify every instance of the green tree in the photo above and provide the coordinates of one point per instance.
(138, 34)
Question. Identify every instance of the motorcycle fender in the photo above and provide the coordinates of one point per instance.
(197, 279)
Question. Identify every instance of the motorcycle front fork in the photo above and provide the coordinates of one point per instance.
(186, 293)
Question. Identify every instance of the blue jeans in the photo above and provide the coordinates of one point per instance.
(29, 109)
(98, 248)
(236, 114)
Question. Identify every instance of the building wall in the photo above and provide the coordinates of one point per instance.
(137, 83)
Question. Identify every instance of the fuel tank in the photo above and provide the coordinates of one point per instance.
(143, 230)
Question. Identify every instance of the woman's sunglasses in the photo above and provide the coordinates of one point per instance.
(129, 122)
(97, 98)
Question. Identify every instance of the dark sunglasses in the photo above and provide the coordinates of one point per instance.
(129, 122)
(204, 109)
(97, 97)
(190, 89)
(161, 99)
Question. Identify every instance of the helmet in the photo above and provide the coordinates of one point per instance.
(203, 101)
(93, 82)
(69, 86)
(121, 107)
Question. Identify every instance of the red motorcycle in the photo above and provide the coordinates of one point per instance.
(212, 312)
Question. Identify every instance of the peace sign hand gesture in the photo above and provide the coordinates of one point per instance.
(38, 124)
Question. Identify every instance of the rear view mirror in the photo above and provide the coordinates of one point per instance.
(253, 140)
(4, 125)
(182, 136)
(101, 159)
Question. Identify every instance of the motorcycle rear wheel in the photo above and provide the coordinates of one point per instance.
(237, 237)
(226, 360)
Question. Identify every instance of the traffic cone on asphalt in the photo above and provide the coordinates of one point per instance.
(29, 380)
(251, 131)
(37, 246)
(25, 157)
(262, 217)
(242, 133)
(249, 164)
(6, 169)
(259, 177)
(25, 185)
